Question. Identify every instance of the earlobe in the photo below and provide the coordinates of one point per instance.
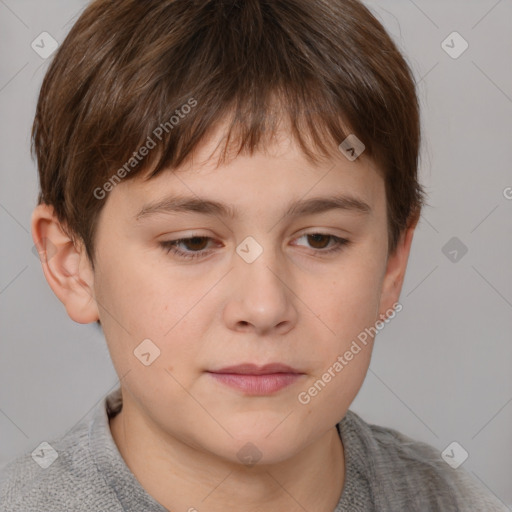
(65, 267)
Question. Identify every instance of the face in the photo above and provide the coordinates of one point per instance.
(275, 278)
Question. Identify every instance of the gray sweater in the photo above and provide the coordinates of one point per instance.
(385, 472)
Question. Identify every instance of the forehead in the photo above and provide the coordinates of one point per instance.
(278, 176)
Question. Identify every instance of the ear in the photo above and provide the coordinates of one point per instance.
(66, 267)
(395, 270)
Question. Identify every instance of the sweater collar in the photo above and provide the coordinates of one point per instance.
(133, 497)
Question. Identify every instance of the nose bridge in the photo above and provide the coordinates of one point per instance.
(259, 270)
(259, 294)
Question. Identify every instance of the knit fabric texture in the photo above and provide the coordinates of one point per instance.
(385, 471)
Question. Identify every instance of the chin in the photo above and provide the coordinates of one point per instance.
(258, 447)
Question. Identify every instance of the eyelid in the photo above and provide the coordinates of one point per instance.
(170, 245)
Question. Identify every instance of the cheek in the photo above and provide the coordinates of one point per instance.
(341, 359)
(350, 302)
(131, 303)
(347, 308)
(141, 297)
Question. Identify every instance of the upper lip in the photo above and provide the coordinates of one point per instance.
(252, 369)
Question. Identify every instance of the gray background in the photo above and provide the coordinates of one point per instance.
(441, 370)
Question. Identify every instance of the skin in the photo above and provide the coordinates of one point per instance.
(180, 430)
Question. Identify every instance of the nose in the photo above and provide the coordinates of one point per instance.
(261, 298)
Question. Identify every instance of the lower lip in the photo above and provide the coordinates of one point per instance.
(257, 384)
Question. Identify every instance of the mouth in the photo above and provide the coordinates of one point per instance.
(257, 380)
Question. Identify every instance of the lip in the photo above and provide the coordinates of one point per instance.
(253, 369)
(257, 380)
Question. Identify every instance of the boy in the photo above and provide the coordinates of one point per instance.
(230, 189)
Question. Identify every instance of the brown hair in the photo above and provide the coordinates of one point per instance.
(130, 67)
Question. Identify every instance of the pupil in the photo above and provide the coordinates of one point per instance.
(193, 242)
(317, 237)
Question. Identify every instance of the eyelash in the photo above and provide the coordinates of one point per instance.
(169, 246)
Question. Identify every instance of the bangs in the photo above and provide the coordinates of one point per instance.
(250, 126)
(252, 64)
(139, 86)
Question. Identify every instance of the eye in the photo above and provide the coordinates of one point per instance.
(195, 243)
(320, 241)
(195, 247)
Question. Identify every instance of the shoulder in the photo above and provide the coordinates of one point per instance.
(59, 475)
(411, 475)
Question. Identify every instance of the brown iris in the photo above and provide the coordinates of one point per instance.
(318, 237)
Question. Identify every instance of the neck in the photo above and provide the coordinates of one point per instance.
(182, 477)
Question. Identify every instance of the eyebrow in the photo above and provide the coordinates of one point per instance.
(315, 205)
